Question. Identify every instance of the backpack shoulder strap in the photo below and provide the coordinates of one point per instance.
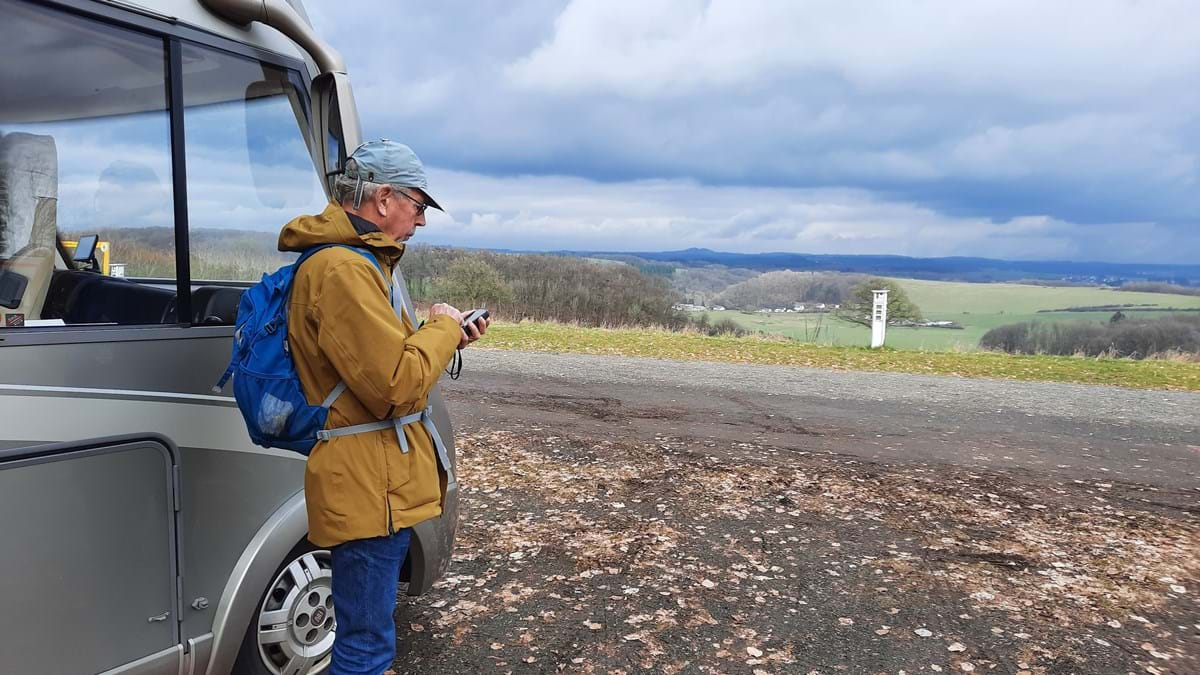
(341, 385)
(361, 251)
(220, 385)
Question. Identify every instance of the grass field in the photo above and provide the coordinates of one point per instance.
(548, 337)
(977, 307)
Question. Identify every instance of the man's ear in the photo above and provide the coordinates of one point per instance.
(381, 195)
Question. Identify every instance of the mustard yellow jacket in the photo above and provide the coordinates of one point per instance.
(341, 326)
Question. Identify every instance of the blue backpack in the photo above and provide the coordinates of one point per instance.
(265, 382)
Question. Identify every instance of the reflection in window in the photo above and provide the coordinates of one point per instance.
(249, 167)
(84, 149)
(335, 150)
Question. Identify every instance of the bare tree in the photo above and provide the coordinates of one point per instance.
(899, 306)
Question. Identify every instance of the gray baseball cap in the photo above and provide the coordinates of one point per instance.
(393, 163)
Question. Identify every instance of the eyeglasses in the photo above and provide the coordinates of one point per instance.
(421, 206)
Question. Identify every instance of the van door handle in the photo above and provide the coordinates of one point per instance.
(160, 617)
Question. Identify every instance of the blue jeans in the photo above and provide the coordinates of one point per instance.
(366, 573)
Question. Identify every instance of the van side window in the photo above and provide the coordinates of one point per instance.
(84, 149)
(249, 168)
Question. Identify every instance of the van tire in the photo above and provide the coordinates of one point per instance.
(300, 639)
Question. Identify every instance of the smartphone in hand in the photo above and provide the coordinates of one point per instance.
(474, 316)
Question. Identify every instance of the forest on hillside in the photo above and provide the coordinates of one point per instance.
(785, 288)
(521, 286)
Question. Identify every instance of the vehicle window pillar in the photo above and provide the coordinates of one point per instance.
(183, 278)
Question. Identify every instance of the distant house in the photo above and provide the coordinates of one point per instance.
(718, 308)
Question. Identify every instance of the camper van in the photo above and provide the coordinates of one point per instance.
(140, 529)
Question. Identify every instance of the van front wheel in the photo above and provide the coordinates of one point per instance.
(293, 628)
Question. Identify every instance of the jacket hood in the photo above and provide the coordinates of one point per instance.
(333, 226)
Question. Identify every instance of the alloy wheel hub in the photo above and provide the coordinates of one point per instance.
(296, 623)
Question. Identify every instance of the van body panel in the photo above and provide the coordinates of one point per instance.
(197, 654)
(166, 662)
(228, 486)
(250, 576)
(241, 508)
(193, 14)
(226, 494)
(73, 513)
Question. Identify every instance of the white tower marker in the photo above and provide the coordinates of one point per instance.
(878, 319)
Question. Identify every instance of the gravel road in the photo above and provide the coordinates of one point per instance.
(1102, 404)
(1087, 431)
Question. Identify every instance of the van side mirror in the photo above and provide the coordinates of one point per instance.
(335, 123)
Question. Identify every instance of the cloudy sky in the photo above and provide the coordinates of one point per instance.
(1032, 130)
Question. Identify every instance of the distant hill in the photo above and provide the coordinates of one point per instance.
(256, 244)
(944, 269)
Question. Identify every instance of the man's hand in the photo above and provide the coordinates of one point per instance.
(470, 333)
(443, 308)
(473, 331)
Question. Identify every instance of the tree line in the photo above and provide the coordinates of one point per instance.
(541, 287)
(1160, 287)
(853, 293)
(700, 285)
(781, 289)
(1120, 337)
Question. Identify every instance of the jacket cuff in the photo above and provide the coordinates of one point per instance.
(445, 322)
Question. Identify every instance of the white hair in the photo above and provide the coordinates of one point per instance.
(344, 186)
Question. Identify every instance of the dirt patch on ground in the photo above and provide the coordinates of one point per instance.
(585, 555)
(602, 408)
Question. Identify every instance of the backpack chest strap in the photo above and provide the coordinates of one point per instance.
(425, 419)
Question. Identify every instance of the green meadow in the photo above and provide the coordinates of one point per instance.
(976, 307)
(692, 346)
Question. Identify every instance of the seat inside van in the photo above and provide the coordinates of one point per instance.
(215, 305)
(28, 216)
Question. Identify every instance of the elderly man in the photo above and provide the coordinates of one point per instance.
(365, 490)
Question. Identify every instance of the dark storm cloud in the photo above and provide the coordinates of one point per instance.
(987, 117)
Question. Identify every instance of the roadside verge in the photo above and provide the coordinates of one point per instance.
(550, 337)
